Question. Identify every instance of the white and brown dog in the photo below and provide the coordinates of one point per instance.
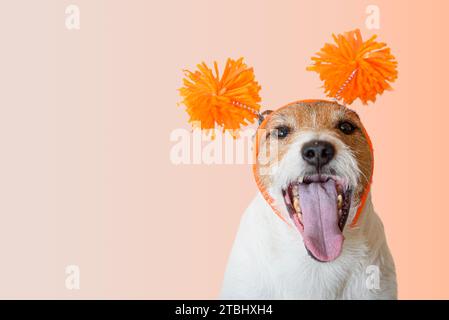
(317, 164)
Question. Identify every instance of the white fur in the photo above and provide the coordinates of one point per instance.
(269, 260)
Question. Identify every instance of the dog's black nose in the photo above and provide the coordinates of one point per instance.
(318, 153)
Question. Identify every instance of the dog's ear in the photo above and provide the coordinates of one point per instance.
(263, 115)
(353, 113)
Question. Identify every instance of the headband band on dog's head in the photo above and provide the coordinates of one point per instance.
(350, 69)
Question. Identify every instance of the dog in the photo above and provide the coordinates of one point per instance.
(317, 169)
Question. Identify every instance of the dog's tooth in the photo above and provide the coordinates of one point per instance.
(295, 190)
(301, 179)
(339, 201)
(296, 205)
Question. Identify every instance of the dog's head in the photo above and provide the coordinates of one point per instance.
(315, 161)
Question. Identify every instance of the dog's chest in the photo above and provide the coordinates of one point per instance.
(306, 279)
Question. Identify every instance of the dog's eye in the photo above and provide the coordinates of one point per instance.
(281, 132)
(346, 127)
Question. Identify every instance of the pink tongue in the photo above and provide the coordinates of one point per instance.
(322, 236)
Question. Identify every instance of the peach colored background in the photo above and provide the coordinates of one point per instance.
(85, 176)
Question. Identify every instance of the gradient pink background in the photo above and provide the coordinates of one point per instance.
(85, 176)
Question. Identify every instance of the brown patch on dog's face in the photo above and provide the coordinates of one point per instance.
(284, 127)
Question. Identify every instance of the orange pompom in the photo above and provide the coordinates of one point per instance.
(229, 101)
(354, 69)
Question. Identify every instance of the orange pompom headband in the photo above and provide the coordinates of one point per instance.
(354, 69)
(350, 69)
(229, 101)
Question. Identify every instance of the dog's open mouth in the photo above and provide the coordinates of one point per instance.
(319, 207)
